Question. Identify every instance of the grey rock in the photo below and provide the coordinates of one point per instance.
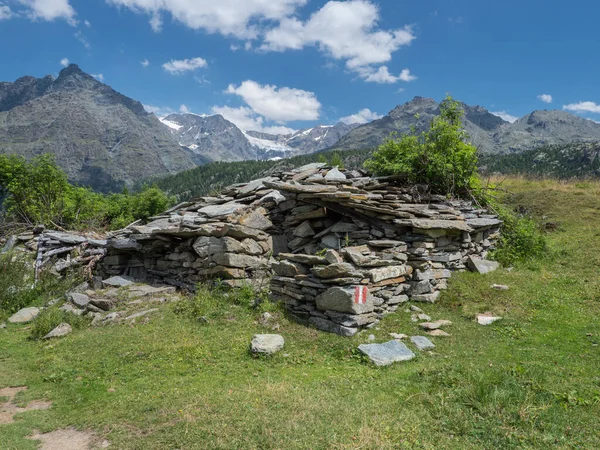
(272, 197)
(415, 309)
(487, 319)
(2, 325)
(102, 303)
(221, 211)
(426, 298)
(482, 266)
(371, 337)
(331, 327)
(337, 270)
(331, 241)
(285, 268)
(424, 317)
(435, 325)
(62, 330)
(117, 281)
(255, 185)
(239, 261)
(124, 244)
(80, 300)
(386, 273)
(420, 287)
(341, 299)
(304, 230)
(65, 238)
(335, 174)
(422, 343)
(24, 315)
(438, 333)
(257, 220)
(387, 353)
(70, 309)
(207, 246)
(333, 257)
(481, 223)
(500, 287)
(433, 274)
(311, 260)
(98, 242)
(267, 344)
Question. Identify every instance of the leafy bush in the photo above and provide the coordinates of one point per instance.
(439, 157)
(38, 192)
(520, 239)
(52, 317)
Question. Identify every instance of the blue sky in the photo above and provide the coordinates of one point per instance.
(274, 65)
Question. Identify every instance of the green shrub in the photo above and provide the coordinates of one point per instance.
(521, 238)
(439, 157)
(37, 192)
(52, 317)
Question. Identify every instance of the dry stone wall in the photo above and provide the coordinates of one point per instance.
(339, 249)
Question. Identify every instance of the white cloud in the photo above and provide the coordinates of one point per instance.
(98, 76)
(343, 30)
(583, 107)
(159, 111)
(145, 63)
(383, 75)
(5, 12)
(247, 120)
(183, 109)
(400, 91)
(177, 67)
(87, 23)
(505, 116)
(546, 98)
(84, 41)
(405, 75)
(234, 48)
(50, 10)
(278, 104)
(64, 62)
(363, 116)
(228, 17)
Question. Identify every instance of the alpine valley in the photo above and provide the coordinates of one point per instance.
(99, 136)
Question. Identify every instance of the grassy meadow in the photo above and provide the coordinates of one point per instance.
(531, 380)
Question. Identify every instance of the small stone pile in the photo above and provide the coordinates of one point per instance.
(58, 251)
(338, 248)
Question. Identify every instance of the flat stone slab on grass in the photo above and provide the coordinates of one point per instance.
(500, 287)
(24, 315)
(80, 300)
(482, 266)
(387, 353)
(487, 319)
(438, 333)
(435, 325)
(267, 344)
(62, 330)
(422, 343)
(117, 282)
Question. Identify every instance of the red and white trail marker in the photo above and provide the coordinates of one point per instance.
(360, 295)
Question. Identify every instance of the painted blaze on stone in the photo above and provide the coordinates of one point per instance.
(345, 299)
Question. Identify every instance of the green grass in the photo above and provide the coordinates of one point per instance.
(528, 381)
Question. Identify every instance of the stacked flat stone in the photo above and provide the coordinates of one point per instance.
(57, 251)
(338, 248)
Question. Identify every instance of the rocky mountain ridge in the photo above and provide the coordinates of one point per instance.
(100, 137)
(488, 132)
